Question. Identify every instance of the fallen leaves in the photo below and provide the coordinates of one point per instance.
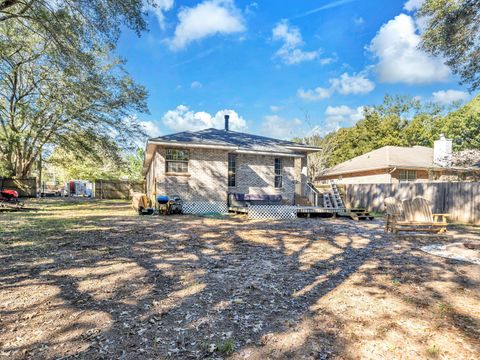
(122, 286)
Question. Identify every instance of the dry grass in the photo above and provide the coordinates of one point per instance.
(89, 279)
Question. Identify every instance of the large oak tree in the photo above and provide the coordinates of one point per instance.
(48, 100)
(453, 31)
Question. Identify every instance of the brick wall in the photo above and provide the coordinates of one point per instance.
(422, 176)
(256, 175)
(381, 176)
(387, 176)
(208, 173)
(206, 179)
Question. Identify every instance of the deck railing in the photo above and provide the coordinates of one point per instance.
(312, 194)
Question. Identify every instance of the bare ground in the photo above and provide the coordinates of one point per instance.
(91, 280)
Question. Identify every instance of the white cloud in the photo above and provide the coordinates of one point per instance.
(206, 19)
(196, 85)
(251, 8)
(399, 58)
(337, 117)
(236, 122)
(412, 5)
(280, 128)
(328, 60)
(158, 7)
(316, 94)
(345, 84)
(183, 119)
(275, 108)
(151, 128)
(290, 52)
(449, 96)
(352, 84)
(339, 110)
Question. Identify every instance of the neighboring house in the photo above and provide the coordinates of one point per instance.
(203, 167)
(396, 164)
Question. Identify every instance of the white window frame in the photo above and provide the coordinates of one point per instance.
(407, 176)
(279, 174)
(232, 170)
(176, 160)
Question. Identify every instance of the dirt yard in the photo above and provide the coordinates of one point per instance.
(91, 280)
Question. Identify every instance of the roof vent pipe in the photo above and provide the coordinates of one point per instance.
(226, 122)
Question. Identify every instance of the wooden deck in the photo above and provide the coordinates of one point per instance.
(316, 211)
(304, 210)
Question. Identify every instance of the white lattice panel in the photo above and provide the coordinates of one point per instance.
(203, 207)
(272, 212)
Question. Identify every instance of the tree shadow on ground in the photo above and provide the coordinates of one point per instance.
(187, 287)
(443, 293)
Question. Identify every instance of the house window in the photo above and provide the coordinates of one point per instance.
(407, 176)
(278, 173)
(177, 161)
(232, 169)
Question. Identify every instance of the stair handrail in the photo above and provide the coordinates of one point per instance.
(339, 203)
(312, 194)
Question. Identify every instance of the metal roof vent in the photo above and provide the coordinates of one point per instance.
(227, 117)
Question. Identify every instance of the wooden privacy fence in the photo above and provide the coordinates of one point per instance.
(26, 187)
(459, 199)
(116, 189)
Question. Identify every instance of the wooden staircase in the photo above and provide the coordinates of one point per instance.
(359, 214)
(336, 198)
(331, 196)
(327, 201)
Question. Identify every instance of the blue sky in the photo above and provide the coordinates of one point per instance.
(280, 68)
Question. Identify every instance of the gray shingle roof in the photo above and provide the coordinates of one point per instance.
(416, 157)
(243, 141)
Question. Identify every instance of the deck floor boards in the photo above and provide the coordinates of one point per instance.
(300, 210)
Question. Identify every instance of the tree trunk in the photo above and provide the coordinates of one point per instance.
(39, 177)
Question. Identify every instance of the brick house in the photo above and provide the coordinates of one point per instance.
(203, 167)
(397, 164)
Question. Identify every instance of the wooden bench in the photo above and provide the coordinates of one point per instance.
(413, 215)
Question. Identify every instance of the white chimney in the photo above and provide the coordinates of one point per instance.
(442, 151)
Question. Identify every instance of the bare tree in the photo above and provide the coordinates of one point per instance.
(318, 161)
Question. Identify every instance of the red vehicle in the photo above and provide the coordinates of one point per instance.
(9, 198)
